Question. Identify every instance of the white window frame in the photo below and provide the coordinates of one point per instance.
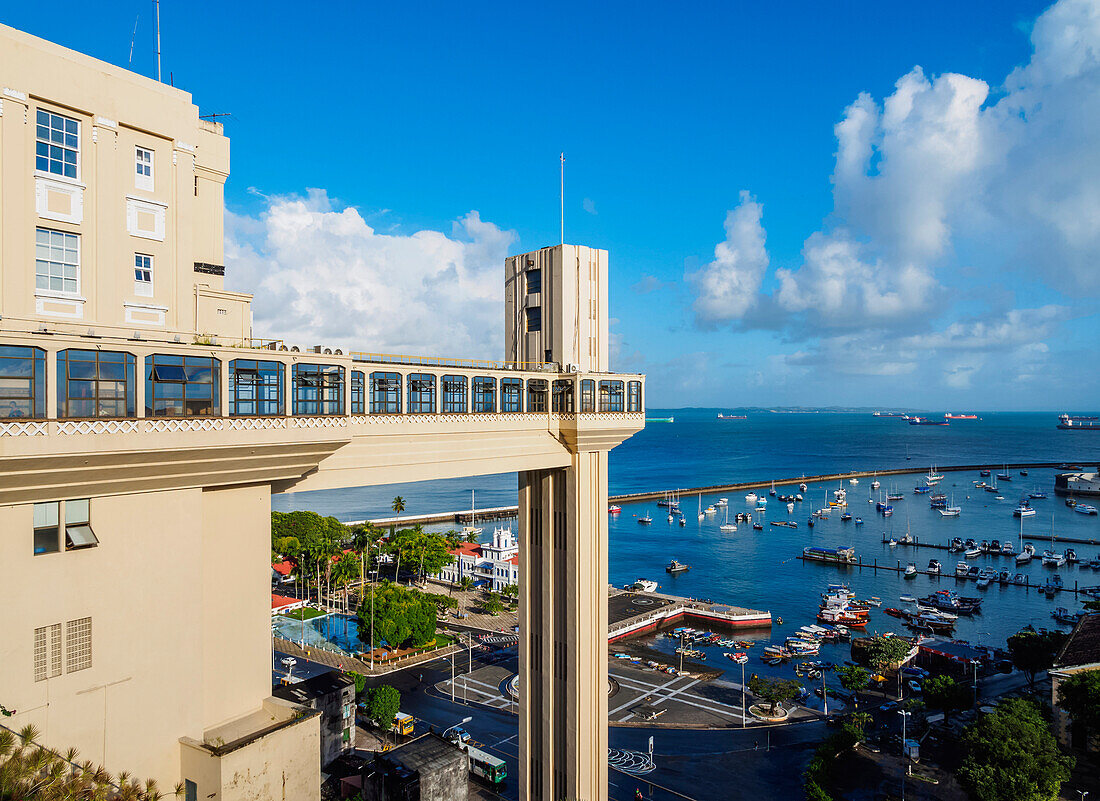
(47, 259)
(143, 287)
(62, 145)
(144, 164)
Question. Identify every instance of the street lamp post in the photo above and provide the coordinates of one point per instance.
(743, 660)
(681, 652)
(975, 663)
(904, 715)
(372, 573)
(462, 722)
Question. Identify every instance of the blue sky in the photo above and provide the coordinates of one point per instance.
(386, 158)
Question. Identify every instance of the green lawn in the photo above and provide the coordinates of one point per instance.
(306, 613)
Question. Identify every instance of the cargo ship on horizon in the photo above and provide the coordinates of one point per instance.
(951, 416)
(926, 421)
(1071, 422)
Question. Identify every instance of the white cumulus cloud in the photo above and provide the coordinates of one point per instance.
(322, 275)
(729, 286)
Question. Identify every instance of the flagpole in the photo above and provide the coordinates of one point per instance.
(563, 197)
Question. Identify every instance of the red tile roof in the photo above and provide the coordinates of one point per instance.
(283, 568)
(279, 601)
(1083, 645)
(467, 549)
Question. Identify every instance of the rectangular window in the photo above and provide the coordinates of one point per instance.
(454, 394)
(93, 383)
(588, 395)
(534, 282)
(421, 393)
(78, 645)
(57, 144)
(78, 529)
(385, 393)
(561, 397)
(536, 395)
(143, 166)
(318, 389)
(611, 396)
(22, 382)
(46, 534)
(511, 395)
(143, 275)
(47, 652)
(358, 393)
(190, 790)
(634, 396)
(182, 386)
(56, 261)
(484, 394)
(255, 388)
(534, 318)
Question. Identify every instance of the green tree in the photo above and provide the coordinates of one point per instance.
(945, 694)
(29, 770)
(1079, 695)
(1010, 755)
(401, 616)
(345, 571)
(885, 652)
(861, 720)
(382, 705)
(1033, 651)
(429, 549)
(365, 538)
(360, 683)
(466, 584)
(493, 605)
(774, 691)
(510, 590)
(854, 679)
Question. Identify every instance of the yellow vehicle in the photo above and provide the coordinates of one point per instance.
(403, 724)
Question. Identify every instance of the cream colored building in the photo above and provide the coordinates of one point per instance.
(143, 430)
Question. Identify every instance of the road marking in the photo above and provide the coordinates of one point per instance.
(507, 739)
(633, 701)
(717, 707)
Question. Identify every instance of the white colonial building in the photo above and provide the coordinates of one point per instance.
(493, 565)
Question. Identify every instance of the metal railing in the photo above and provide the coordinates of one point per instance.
(446, 361)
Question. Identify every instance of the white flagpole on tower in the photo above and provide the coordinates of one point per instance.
(563, 197)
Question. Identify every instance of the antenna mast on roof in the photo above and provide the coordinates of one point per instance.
(156, 8)
(563, 197)
(133, 36)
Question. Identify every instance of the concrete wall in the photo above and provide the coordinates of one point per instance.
(177, 220)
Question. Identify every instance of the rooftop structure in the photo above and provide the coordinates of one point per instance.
(143, 424)
(333, 695)
(494, 565)
(1080, 653)
(429, 768)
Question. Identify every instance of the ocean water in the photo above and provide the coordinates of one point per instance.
(760, 569)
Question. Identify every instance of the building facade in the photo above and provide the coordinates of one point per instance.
(333, 695)
(144, 427)
(493, 565)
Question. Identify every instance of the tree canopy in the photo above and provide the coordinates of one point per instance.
(1079, 695)
(401, 616)
(382, 705)
(885, 652)
(1010, 755)
(853, 678)
(1033, 651)
(945, 694)
(774, 691)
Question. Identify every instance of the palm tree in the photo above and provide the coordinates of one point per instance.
(366, 537)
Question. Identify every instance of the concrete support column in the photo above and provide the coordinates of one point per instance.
(563, 620)
(51, 385)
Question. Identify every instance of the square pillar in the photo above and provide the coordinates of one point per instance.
(563, 623)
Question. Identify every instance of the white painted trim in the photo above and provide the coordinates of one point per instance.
(148, 200)
(143, 306)
(106, 122)
(15, 94)
(185, 146)
(77, 307)
(61, 179)
(42, 188)
(53, 294)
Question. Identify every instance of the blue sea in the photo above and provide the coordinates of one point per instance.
(760, 569)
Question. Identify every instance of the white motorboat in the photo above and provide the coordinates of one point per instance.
(973, 553)
(1024, 509)
(1053, 559)
(646, 519)
(722, 502)
(790, 507)
(853, 481)
(802, 487)
(711, 510)
(751, 497)
(961, 569)
(701, 515)
(643, 585)
(910, 570)
(728, 526)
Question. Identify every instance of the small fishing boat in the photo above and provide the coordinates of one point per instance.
(1008, 549)
(1037, 495)
(934, 566)
(858, 521)
(909, 599)
(910, 571)
(1023, 509)
(645, 520)
(772, 490)
(683, 522)
(675, 567)
(1065, 617)
(985, 473)
(751, 497)
(972, 553)
(961, 569)
(846, 516)
(722, 502)
(790, 508)
(1019, 578)
(760, 526)
(614, 509)
(802, 487)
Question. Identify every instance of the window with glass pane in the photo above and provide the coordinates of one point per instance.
(536, 395)
(143, 275)
(78, 525)
(385, 393)
(634, 396)
(143, 167)
(511, 395)
(485, 390)
(534, 282)
(22, 382)
(588, 395)
(47, 538)
(421, 393)
(561, 395)
(611, 396)
(256, 388)
(358, 393)
(93, 383)
(454, 394)
(56, 261)
(534, 318)
(57, 144)
(182, 386)
(318, 389)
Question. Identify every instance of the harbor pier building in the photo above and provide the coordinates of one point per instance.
(144, 428)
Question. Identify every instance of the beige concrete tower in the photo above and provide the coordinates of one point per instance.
(555, 307)
(556, 312)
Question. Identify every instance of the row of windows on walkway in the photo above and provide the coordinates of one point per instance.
(104, 384)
